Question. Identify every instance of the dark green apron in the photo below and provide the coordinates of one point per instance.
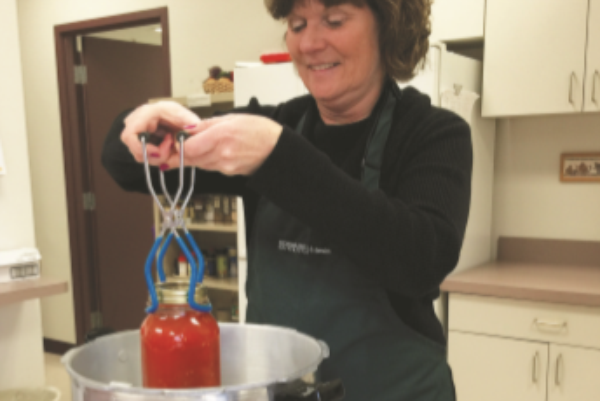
(296, 280)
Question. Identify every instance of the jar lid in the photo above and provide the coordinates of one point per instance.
(175, 292)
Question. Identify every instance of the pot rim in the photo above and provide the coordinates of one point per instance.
(117, 387)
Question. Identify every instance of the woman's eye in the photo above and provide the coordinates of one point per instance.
(296, 26)
(335, 23)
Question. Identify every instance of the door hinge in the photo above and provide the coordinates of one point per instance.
(89, 201)
(80, 75)
(96, 319)
(79, 43)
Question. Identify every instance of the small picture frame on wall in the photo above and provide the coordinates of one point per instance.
(580, 167)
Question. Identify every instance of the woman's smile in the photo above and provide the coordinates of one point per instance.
(323, 66)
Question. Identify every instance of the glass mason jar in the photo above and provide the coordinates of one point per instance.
(180, 346)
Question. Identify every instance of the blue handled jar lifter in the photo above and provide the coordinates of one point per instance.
(172, 221)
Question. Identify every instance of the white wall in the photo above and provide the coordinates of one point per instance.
(16, 214)
(140, 34)
(529, 199)
(21, 354)
(203, 33)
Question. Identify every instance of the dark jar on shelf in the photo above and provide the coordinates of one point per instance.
(180, 345)
(218, 208)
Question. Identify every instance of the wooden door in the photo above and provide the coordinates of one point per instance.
(497, 369)
(534, 57)
(573, 374)
(592, 71)
(121, 75)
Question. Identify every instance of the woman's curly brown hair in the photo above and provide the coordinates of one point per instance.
(404, 29)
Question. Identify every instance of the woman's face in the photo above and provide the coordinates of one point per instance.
(335, 50)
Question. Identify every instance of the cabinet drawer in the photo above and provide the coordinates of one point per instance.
(537, 321)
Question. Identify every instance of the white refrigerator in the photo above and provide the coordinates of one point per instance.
(451, 81)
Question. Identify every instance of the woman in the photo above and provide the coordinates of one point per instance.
(356, 195)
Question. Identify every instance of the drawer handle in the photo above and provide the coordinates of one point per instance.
(535, 371)
(557, 375)
(556, 325)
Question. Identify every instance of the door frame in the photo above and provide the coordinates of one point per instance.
(72, 118)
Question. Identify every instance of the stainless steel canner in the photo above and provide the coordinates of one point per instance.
(257, 363)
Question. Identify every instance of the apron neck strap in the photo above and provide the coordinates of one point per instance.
(373, 155)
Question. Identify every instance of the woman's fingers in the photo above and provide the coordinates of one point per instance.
(233, 145)
(167, 116)
(210, 122)
(204, 142)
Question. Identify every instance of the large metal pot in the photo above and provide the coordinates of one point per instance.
(257, 363)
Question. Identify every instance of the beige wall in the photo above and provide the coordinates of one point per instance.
(21, 357)
(140, 34)
(529, 199)
(16, 213)
(203, 33)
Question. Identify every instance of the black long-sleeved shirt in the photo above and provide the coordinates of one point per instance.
(407, 235)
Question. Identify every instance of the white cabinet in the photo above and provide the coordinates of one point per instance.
(535, 53)
(501, 349)
(271, 84)
(497, 369)
(457, 20)
(592, 79)
(573, 374)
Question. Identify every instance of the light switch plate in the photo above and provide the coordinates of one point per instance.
(2, 163)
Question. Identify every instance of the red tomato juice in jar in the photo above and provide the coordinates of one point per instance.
(180, 346)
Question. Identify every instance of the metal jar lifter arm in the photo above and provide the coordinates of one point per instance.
(172, 220)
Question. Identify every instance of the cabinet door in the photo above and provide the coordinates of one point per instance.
(497, 369)
(534, 56)
(453, 20)
(592, 71)
(573, 374)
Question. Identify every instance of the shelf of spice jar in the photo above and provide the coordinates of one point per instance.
(222, 228)
(230, 283)
(220, 268)
(216, 212)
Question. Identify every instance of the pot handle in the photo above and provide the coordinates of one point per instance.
(300, 391)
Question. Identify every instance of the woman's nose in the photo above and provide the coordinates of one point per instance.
(312, 39)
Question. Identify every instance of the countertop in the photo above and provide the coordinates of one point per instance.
(560, 283)
(23, 290)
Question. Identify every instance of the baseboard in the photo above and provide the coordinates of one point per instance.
(57, 347)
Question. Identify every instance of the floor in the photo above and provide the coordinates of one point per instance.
(57, 376)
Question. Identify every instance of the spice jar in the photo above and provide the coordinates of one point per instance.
(222, 264)
(233, 209)
(210, 263)
(183, 267)
(226, 209)
(199, 212)
(180, 345)
(233, 262)
(209, 210)
(218, 211)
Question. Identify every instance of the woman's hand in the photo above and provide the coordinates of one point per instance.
(235, 144)
(162, 118)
